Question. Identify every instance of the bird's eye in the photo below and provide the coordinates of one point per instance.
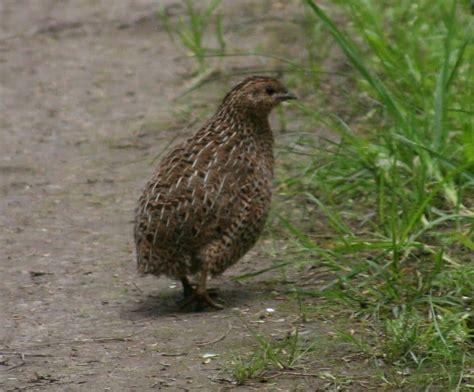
(270, 90)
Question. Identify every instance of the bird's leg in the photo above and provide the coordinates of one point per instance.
(200, 296)
(188, 289)
(203, 294)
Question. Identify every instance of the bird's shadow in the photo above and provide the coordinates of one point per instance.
(168, 302)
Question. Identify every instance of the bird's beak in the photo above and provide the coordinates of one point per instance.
(286, 96)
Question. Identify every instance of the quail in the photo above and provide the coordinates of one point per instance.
(207, 203)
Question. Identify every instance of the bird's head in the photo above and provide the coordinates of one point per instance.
(257, 95)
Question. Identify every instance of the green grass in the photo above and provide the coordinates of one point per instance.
(273, 354)
(270, 355)
(396, 190)
(190, 30)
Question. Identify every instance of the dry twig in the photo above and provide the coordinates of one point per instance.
(202, 344)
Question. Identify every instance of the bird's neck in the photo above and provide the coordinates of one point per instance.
(246, 119)
(253, 128)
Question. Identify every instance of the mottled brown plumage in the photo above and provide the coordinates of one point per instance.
(208, 202)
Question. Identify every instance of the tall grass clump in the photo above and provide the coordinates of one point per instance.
(190, 29)
(396, 188)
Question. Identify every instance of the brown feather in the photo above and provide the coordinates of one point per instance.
(209, 199)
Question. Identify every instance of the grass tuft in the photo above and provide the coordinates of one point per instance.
(190, 30)
(270, 355)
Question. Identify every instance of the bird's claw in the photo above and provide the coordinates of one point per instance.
(198, 301)
(188, 291)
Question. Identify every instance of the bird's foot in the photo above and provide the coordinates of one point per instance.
(199, 301)
(188, 291)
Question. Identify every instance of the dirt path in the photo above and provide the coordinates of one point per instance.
(77, 80)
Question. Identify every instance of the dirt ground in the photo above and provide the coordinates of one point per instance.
(79, 82)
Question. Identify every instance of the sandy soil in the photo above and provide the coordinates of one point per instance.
(79, 82)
